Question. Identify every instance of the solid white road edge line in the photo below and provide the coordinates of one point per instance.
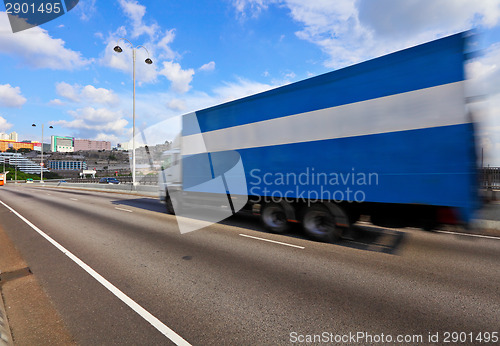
(155, 322)
(123, 209)
(272, 241)
(471, 235)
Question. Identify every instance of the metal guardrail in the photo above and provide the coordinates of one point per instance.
(490, 178)
(142, 180)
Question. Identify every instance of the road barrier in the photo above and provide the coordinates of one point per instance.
(144, 190)
(490, 178)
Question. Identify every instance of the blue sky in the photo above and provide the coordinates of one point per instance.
(65, 72)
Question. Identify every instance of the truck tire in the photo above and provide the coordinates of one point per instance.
(319, 223)
(273, 216)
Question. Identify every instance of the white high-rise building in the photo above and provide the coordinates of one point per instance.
(13, 136)
(4, 136)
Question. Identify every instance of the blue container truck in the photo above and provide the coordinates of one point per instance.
(390, 138)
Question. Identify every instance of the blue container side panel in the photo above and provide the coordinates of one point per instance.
(432, 166)
(431, 64)
(426, 166)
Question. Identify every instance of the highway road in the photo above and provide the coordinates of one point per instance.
(132, 278)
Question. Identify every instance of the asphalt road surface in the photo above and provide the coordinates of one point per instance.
(130, 277)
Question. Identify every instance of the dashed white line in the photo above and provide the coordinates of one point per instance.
(146, 315)
(130, 211)
(273, 241)
(471, 235)
(73, 199)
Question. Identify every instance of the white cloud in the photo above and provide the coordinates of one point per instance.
(99, 95)
(485, 81)
(56, 102)
(413, 22)
(164, 45)
(176, 104)
(99, 116)
(86, 9)
(243, 87)
(180, 78)
(135, 12)
(210, 66)
(68, 91)
(37, 49)
(158, 49)
(11, 96)
(252, 7)
(88, 93)
(350, 31)
(89, 121)
(485, 71)
(4, 125)
(107, 137)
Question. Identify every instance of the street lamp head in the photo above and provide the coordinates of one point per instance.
(118, 49)
(33, 125)
(148, 61)
(51, 127)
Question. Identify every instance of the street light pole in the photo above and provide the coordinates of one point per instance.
(15, 170)
(133, 121)
(41, 151)
(148, 61)
(41, 160)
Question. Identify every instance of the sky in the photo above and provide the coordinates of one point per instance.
(65, 73)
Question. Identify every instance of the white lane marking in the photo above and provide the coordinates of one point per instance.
(155, 322)
(49, 194)
(130, 211)
(471, 235)
(272, 241)
(73, 199)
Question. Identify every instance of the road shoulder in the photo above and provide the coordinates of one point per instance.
(31, 316)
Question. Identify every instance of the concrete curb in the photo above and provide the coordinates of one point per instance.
(491, 227)
(5, 335)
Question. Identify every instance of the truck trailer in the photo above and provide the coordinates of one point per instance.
(390, 138)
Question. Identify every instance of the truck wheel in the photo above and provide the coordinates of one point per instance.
(273, 217)
(319, 224)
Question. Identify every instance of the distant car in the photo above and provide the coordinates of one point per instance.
(29, 181)
(62, 181)
(109, 181)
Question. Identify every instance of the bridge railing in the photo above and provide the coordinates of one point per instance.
(142, 180)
